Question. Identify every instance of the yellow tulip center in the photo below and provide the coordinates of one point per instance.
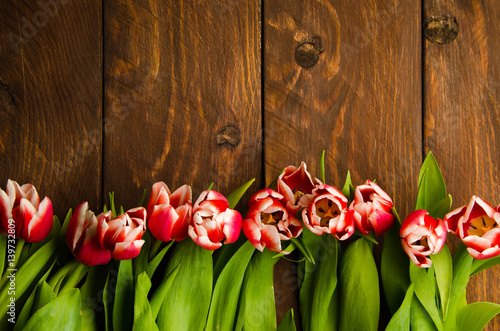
(271, 218)
(480, 225)
(298, 195)
(326, 210)
(424, 241)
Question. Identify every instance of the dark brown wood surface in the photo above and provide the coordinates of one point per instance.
(182, 95)
(50, 99)
(361, 100)
(462, 112)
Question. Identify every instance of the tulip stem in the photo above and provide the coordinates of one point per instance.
(155, 246)
(19, 253)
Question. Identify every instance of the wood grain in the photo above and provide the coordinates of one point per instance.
(462, 114)
(361, 101)
(50, 99)
(182, 95)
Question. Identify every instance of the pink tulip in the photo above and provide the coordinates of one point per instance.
(268, 222)
(214, 223)
(421, 236)
(122, 235)
(296, 185)
(169, 214)
(82, 239)
(327, 213)
(371, 209)
(479, 229)
(33, 219)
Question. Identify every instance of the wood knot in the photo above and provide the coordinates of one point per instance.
(308, 51)
(228, 135)
(7, 100)
(441, 29)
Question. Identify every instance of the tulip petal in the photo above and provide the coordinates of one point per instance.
(127, 250)
(159, 196)
(5, 212)
(41, 223)
(183, 195)
(161, 221)
(90, 252)
(232, 225)
(270, 238)
(202, 241)
(381, 221)
(252, 232)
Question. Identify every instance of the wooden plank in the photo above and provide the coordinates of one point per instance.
(50, 98)
(344, 78)
(182, 95)
(462, 112)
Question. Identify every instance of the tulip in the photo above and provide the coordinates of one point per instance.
(421, 236)
(82, 238)
(479, 229)
(268, 222)
(296, 185)
(214, 223)
(328, 213)
(122, 235)
(371, 209)
(451, 219)
(169, 214)
(33, 219)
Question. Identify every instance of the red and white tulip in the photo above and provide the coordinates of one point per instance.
(21, 205)
(296, 185)
(169, 214)
(213, 222)
(421, 236)
(328, 213)
(268, 222)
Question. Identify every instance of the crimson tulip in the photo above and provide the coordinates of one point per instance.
(122, 235)
(479, 229)
(421, 236)
(451, 219)
(268, 222)
(371, 209)
(328, 213)
(214, 223)
(296, 185)
(82, 238)
(32, 219)
(169, 214)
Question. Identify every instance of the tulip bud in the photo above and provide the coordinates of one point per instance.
(296, 185)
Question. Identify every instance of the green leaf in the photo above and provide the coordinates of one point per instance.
(107, 298)
(65, 224)
(431, 187)
(320, 282)
(480, 265)
(140, 262)
(425, 290)
(143, 199)
(186, 304)
(236, 195)
(32, 270)
(394, 269)
(92, 292)
(322, 167)
(224, 254)
(158, 258)
(297, 242)
(56, 279)
(441, 208)
(257, 309)
(401, 319)
(348, 189)
(210, 186)
(44, 295)
(123, 307)
(160, 294)
(60, 314)
(443, 268)
(227, 289)
(3, 251)
(74, 278)
(112, 204)
(287, 324)
(27, 309)
(359, 288)
(143, 318)
(477, 315)
(122, 211)
(419, 318)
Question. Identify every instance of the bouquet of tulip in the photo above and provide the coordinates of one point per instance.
(169, 264)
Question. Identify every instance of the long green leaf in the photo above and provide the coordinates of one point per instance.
(441, 208)
(443, 268)
(424, 287)
(359, 288)
(74, 278)
(432, 188)
(123, 307)
(143, 318)
(60, 314)
(140, 262)
(419, 318)
(155, 262)
(43, 296)
(394, 269)
(322, 167)
(186, 304)
(287, 324)
(475, 316)
(234, 197)
(224, 254)
(480, 265)
(160, 294)
(92, 296)
(66, 221)
(319, 283)
(401, 319)
(3, 251)
(348, 189)
(227, 290)
(257, 307)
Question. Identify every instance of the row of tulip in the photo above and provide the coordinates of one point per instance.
(301, 212)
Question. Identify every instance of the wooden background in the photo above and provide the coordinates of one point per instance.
(113, 95)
